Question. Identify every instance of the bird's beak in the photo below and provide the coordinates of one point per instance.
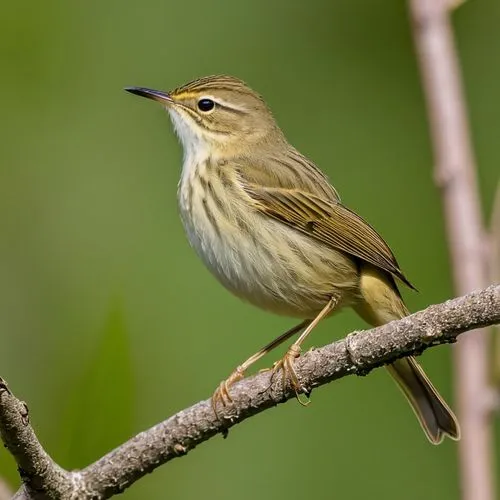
(156, 95)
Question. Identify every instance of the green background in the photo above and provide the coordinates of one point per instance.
(108, 321)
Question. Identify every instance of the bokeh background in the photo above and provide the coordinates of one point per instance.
(108, 321)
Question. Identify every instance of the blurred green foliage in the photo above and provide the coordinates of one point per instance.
(102, 399)
(88, 213)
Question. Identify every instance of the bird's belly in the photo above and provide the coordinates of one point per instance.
(272, 266)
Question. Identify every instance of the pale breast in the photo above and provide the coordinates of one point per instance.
(259, 259)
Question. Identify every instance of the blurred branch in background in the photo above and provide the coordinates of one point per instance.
(495, 278)
(456, 178)
(358, 353)
(5, 492)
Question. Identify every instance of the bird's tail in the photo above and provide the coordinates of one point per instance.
(381, 303)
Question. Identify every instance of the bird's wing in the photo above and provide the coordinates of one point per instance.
(327, 221)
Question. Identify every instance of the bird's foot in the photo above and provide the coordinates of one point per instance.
(221, 394)
(286, 366)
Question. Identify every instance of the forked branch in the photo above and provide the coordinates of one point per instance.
(357, 354)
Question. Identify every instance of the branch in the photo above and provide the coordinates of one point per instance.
(455, 174)
(35, 467)
(5, 492)
(358, 354)
(494, 258)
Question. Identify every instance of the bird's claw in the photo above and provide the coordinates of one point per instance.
(286, 365)
(221, 394)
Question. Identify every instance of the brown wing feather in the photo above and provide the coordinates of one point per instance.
(330, 223)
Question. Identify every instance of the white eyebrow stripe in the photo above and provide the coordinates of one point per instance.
(224, 103)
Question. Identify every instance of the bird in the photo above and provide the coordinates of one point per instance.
(268, 224)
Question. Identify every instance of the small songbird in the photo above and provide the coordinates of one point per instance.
(272, 229)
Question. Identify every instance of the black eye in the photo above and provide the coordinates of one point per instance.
(206, 105)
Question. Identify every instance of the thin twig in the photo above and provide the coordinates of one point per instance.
(358, 354)
(494, 258)
(5, 491)
(456, 178)
(35, 467)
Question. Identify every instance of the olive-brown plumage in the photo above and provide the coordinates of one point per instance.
(268, 224)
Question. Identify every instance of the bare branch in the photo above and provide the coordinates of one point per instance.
(494, 258)
(454, 4)
(5, 491)
(495, 238)
(37, 470)
(358, 354)
(456, 178)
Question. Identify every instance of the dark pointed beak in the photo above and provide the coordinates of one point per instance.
(156, 95)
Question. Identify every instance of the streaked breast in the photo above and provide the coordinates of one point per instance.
(259, 259)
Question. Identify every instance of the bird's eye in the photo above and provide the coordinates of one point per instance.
(206, 105)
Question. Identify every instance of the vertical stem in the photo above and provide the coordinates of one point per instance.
(456, 178)
(494, 259)
(5, 492)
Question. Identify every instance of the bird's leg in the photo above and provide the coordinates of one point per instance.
(222, 392)
(287, 361)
